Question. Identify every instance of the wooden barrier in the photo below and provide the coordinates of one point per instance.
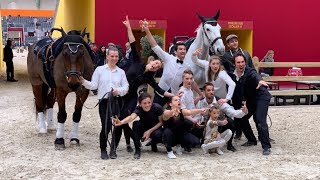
(296, 94)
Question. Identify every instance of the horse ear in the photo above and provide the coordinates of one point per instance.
(83, 32)
(216, 17)
(201, 17)
(64, 34)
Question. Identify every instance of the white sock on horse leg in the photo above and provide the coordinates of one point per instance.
(60, 131)
(50, 121)
(74, 130)
(50, 115)
(41, 123)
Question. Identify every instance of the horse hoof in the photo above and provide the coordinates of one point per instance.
(59, 144)
(75, 141)
(51, 128)
(42, 131)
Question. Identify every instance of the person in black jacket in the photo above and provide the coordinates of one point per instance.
(228, 57)
(7, 57)
(251, 87)
(101, 56)
(229, 65)
(137, 74)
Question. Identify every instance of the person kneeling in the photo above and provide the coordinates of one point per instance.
(148, 125)
(213, 140)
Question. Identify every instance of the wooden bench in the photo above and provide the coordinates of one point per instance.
(295, 94)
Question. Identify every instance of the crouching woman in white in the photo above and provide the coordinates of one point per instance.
(213, 139)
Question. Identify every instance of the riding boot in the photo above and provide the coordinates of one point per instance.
(113, 149)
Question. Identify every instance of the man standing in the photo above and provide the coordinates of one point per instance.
(254, 91)
(227, 58)
(229, 65)
(173, 66)
(7, 57)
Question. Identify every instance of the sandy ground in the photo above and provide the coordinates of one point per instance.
(25, 155)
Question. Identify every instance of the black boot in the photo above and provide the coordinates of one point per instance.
(104, 155)
(137, 154)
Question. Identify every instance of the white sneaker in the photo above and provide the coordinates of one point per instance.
(179, 149)
(203, 146)
(218, 150)
(171, 155)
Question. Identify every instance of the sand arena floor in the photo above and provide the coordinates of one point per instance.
(25, 155)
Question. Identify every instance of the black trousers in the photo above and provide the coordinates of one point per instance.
(10, 70)
(106, 124)
(259, 113)
(171, 138)
(138, 131)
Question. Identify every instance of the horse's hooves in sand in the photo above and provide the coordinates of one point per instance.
(75, 142)
(59, 144)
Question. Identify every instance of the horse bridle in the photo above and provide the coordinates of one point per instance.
(73, 48)
(211, 43)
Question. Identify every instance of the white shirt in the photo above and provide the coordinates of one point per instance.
(187, 101)
(104, 79)
(225, 108)
(220, 84)
(172, 71)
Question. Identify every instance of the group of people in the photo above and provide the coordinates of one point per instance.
(234, 92)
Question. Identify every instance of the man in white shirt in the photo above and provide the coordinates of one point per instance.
(210, 100)
(187, 102)
(108, 78)
(173, 66)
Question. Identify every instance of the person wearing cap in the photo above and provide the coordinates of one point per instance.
(227, 58)
(229, 65)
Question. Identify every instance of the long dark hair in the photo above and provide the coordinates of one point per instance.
(210, 73)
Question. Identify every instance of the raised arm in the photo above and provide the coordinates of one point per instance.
(155, 47)
(129, 30)
(199, 62)
(145, 27)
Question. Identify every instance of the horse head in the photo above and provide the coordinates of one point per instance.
(211, 33)
(74, 52)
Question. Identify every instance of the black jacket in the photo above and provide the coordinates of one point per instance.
(246, 89)
(7, 54)
(228, 61)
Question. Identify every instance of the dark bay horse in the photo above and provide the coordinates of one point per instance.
(54, 74)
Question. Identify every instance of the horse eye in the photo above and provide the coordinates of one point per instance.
(208, 29)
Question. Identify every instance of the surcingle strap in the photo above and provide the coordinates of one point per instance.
(43, 50)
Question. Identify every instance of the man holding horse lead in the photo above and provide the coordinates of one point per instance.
(111, 83)
(173, 66)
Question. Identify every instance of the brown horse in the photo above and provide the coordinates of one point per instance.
(70, 58)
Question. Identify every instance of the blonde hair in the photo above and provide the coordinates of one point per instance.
(210, 71)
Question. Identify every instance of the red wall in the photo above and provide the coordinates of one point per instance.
(290, 28)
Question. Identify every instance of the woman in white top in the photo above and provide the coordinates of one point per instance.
(216, 74)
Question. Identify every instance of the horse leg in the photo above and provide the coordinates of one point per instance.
(62, 116)
(39, 92)
(50, 102)
(82, 95)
